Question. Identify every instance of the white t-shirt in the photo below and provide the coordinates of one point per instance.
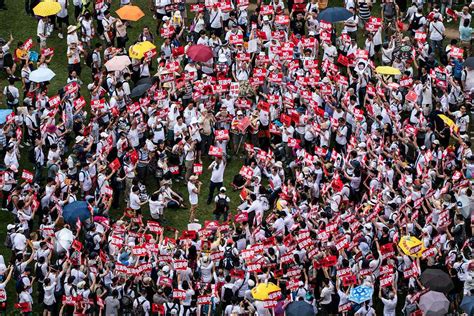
(134, 201)
(193, 197)
(217, 175)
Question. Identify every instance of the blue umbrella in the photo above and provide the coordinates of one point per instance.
(335, 14)
(75, 210)
(467, 305)
(3, 115)
(361, 294)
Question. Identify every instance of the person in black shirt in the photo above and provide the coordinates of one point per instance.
(297, 24)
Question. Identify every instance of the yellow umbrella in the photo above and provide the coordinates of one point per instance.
(261, 291)
(47, 8)
(138, 50)
(130, 13)
(448, 122)
(387, 70)
(411, 246)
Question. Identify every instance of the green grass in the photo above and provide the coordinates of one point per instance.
(22, 26)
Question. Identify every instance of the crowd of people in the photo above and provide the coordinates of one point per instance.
(350, 151)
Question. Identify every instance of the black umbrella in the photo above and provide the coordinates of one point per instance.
(469, 62)
(299, 308)
(140, 90)
(143, 81)
(437, 280)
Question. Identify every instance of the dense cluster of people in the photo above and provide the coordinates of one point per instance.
(350, 152)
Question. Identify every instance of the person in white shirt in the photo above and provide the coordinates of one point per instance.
(143, 303)
(436, 30)
(134, 200)
(12, 94)
(217, 168)
(74, 53)
(62, 17)
(216, 20)
(390, 303)
(194, 187)
(43, 31)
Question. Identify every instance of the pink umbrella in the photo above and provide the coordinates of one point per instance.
(199, 52)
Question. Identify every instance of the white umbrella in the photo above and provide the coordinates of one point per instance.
(464, 204)
(434, 304)
(118, 63)
(64, 239)
(42, 75)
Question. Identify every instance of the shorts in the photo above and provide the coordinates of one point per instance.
(49, 308)
(64, 20)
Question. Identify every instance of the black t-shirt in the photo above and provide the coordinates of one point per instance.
(297, 26)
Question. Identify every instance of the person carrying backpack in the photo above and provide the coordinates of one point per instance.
(172, 308)
(222, 205)
(141, 306)
(11, 94)
(231, 259)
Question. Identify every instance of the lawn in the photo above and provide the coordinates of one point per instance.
(15, 21)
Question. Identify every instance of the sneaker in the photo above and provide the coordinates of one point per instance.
(60, 35)
(4, 209)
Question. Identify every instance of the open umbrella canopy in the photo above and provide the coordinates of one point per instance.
(138, 50)
(199, 52)
(434, 304)
(3, 115)
(118, 63)
(469, 62)
(334, 14)
(64, 239)
(361, 294)
(437, 280)
(76, 210)
(448, 121)
(47, 8)
(299, 308)
(130, 13)
(467, 305)
(411, 246)
(140, 90)
(42, 75)
(387, 70)
(261, 291)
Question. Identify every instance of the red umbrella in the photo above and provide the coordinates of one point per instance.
(199, 52)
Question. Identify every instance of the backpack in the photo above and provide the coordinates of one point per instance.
(349, 132)
(126, 302)
(139, 310)
(39, 272)
(90, 59)
(10, 97)
(228, 295)
(20, 285)
(175, 307)
(89, 241)
(415, 23)
(230, 260)
(389, 10)
(221, 204)
(457, 70)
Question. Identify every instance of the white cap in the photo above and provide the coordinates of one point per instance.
(239, 112)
